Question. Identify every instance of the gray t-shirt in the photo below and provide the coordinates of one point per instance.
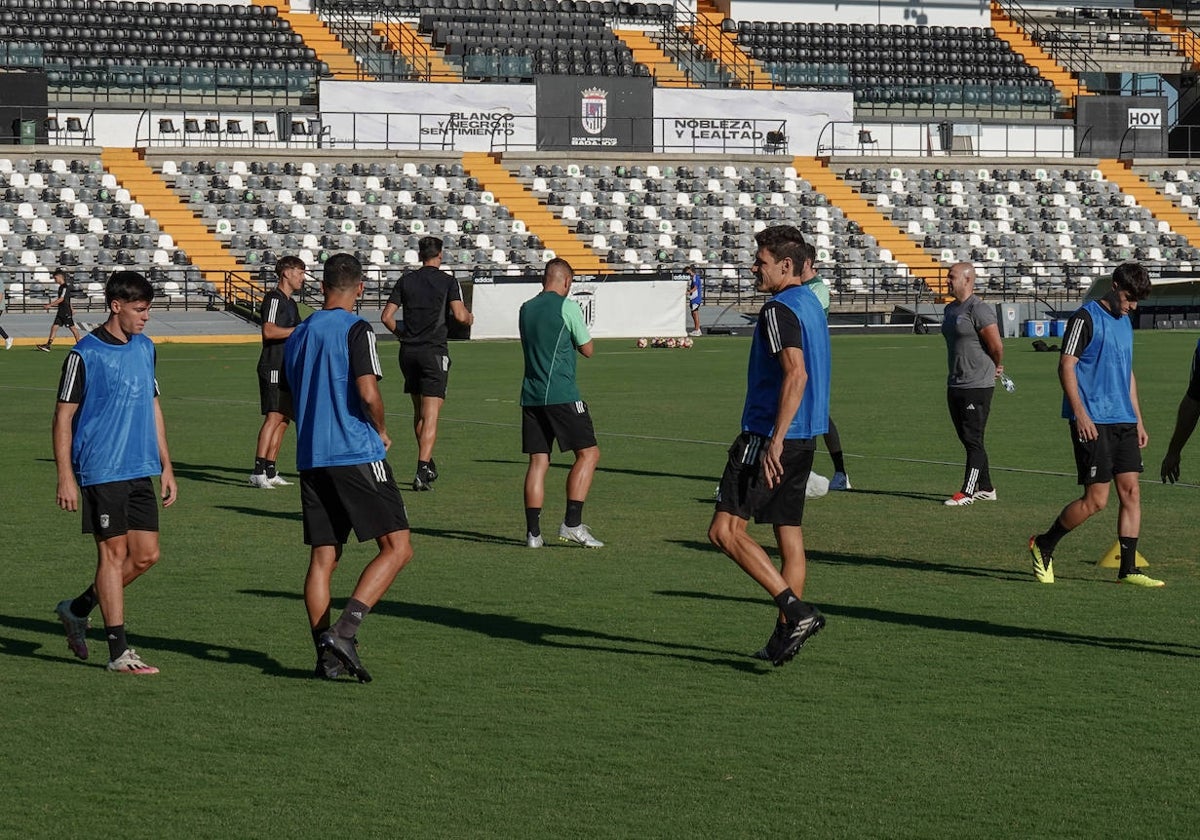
(970, 365)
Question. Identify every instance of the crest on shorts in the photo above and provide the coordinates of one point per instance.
(594, 109)
(104, 520)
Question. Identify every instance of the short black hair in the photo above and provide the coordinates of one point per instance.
(342, 272)
(1133, 279)
(128, 287)
(428, 247)
(783, 242)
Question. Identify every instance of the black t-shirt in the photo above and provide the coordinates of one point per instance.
(425, 296)
(779, 324)
(70, 382)
(279, 309)
(65, 291)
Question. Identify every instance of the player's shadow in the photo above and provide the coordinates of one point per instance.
(539, 634)
(211, 474)
(898, 494)
(566, 465)
(982, 627)
(204, 651)
(879, 562)
(466, 536)
(291, 516)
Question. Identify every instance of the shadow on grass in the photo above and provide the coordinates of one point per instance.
(291, 516)
(203, 651)
(468, 536)
(566, 465)
(547, 635)
(899, 494)
(970, 625)
(213, 474)
(879, 562)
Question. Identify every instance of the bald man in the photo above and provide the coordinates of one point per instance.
(976, 357)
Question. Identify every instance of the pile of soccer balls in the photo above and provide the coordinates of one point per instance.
(684, 342)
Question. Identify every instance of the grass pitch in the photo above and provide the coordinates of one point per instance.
(574, 693)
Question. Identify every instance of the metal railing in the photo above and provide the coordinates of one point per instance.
(1075, 57)
(930, 138)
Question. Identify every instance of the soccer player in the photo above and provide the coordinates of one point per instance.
(426, 296)
(833, 440)
(1185, 423)
(695, 294)
(976, 358)
(786, 407)
(8, 342)
(1101, 402)
(332, 371)
(279, 315)
(109, 438)
(65, 316)
(552, 331)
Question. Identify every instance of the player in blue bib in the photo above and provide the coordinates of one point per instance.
(1100, 403)
(786, 407)
(109, 440)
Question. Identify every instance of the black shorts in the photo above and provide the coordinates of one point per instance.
(61, 320)
(118, 507)
(426, 370)
(743, 492)
(360, 496)
(568, 423)
(1114, 451)
(271, 397)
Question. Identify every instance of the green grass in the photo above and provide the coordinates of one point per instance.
(568, 693)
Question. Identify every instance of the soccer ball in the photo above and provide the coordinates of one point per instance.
(643, 343)
(671, 342)
(685, 342)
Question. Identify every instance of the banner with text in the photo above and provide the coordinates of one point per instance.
(466, 118)
(595, 113)
(646, 308)
(737, 121)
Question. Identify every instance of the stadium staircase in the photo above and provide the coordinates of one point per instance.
(174, 217)
(745, 71)
(428, 62)
(1160, 207)
(920, 264)
(523, 204)
(1048, 68)
(318, 37)
(1184, 39)
(665, 71)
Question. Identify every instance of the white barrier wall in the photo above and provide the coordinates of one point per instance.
(613, 309)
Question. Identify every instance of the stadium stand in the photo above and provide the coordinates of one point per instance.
(111, 48)
(210, 222)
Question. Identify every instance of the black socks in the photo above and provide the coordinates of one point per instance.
(82, 606)
(793, 608)
(574, 517)
(116, 641)
(533, 521)
(1128, 556)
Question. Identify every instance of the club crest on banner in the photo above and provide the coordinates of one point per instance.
(594, 107)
